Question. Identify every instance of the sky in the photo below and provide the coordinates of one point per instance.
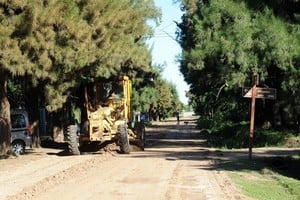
(165, 48)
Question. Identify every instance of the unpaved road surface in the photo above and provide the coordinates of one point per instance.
(175, 165)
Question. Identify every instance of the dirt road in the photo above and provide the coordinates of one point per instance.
(175, 165)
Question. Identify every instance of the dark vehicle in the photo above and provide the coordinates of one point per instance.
(20, 131)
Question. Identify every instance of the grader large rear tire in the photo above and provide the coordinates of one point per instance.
(73, 146)
(124, 140)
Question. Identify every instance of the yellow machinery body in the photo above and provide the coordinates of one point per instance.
(109, 108)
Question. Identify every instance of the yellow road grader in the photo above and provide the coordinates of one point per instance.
(106, 117)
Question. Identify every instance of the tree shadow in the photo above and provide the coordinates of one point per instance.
(166, 141)
(286, 166)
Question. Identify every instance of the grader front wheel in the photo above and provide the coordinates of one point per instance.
(73, 146)
(124, 139)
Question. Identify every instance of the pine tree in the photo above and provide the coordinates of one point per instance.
(60, 44)
(227, 41)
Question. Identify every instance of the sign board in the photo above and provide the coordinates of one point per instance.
(261, 93)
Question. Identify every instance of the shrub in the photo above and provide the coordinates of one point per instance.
(229, 134)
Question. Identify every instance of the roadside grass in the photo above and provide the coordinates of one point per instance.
(228, 135)
(147, 123)
(267, 178)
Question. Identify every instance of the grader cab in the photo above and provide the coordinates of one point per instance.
(106, 117)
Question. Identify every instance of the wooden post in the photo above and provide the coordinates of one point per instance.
(253, 98)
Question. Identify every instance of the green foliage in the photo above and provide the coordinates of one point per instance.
(177, 106)
(164, 103)
(225, 42)
(205, 123)
(61, 44)
(228, 134)
(265, 137)
(144, 100)
(188, 108)
(16, 93)
(158, 98)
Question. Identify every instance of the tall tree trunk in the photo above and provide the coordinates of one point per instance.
(34, 114)
(5, 135)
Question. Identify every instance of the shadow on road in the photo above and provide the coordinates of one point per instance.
(184, 142)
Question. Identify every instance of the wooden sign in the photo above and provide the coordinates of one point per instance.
(261, 93)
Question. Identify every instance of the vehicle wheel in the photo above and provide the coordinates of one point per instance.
(141, 135)
(18, 147)
(73, 146)
(123, 139)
